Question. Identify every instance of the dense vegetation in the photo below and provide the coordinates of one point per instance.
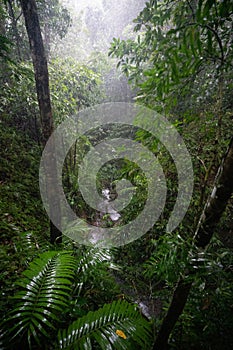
(166, 290)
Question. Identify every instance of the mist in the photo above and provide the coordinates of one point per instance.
(94, 24)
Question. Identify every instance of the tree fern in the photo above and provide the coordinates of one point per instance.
(44, 292)
(115, 326)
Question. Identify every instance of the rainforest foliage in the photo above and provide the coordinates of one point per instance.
(164, 290)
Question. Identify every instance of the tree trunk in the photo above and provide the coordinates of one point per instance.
(43, 94)
(176, 307)
(210, 217)
(218, 200)
(15, 28)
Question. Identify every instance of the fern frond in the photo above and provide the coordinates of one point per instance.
(29, 245)
(44, 293)
(31, 241)
(91, 263)
(93, 257)
(115, 326)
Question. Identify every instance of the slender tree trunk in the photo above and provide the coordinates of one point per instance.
(176, 307)
(43, 94)
(15, 29)
(3, 55)
(47, 39)
(210, 217)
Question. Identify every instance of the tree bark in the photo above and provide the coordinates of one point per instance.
(43, 94)
(209, 219)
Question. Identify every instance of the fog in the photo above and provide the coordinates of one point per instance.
(94, 24)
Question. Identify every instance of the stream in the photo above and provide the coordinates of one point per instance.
(149, 306)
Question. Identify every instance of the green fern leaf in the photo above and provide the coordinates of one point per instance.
(44, 293)
(92, 257)
(88, 265)
(115, 326)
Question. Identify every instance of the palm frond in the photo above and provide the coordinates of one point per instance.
(115, 326)
(44, 292)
